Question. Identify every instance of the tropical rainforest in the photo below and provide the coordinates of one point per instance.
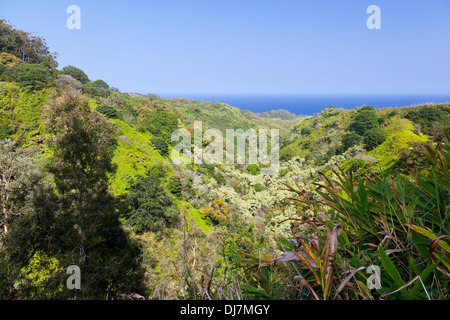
(86, 179)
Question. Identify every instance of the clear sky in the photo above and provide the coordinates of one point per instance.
(248, 46)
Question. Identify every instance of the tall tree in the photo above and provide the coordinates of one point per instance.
(29, 48)
(15, 182)
(83, 144)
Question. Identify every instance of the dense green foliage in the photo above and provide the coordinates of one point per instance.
(86, 179)
(254, 169)
(365, 119)
(108, 111)
(426, 116)
(29, 48)
(373, 138)
(349, 140)
(33, 76)
(76, 73)
(161, 124)
(152, 207)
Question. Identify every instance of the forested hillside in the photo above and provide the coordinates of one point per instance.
(86, 179)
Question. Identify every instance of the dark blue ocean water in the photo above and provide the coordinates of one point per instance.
(311, 104)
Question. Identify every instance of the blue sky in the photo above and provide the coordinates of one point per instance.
(249, 46)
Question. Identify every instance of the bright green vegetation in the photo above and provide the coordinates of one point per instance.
(86, 178)
(108, 111)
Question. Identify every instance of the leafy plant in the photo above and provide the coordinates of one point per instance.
(152, 207)
(76, 73)
(373, 138)
(108, 111)
(365, 119)
(33, 76)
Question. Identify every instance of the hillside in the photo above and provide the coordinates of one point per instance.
(87, 178)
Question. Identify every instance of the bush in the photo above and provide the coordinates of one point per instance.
(76, 74)
(161, 122)
(305, 132)
(373, 138)
(254, 169)
(5, 131)
(365, 119)
(175, 185)
(33, 76)
(412, 206)
(152, 207)
(98, 88)
(108, 111)
(258, 187)
(160, 144)
(219, 178)
(426, 116)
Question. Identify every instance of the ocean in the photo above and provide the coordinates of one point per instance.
(313, 104)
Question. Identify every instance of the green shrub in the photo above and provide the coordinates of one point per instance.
(219, 178)
(5, 131)
(161, 144)
(349, 140)
(258, 187)
(98, 88)
(76, 74)
(427, 115)
(254, 169)
(33, 76)
(305, 132)
(365, 119)
(413, 207)
(161, 122)
(152, 207)
(390, 150)
(108, 111)
(175, 185)
(373, 138)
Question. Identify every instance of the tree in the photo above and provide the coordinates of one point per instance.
(76, 74)
(15, 183)
(161, 144)
(9, 60)
(349, 140)
(108, 111)
(254, 169)
(152, 207)
(427, 115)
(175, 185)
(217, 211)
(161, 123)
(305, 132)
(98, 88)
(33, 76)
(83, 144)
(365, 119)
(373, 138)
